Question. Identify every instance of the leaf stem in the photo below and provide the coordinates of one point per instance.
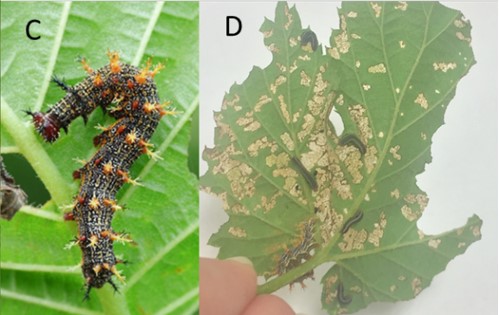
(279, 282)
(37, 212)
(10, 149)
(30, 147)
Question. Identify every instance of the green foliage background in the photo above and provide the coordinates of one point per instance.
(37, 275)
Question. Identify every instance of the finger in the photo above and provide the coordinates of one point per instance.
(225, 286)
(268, 305)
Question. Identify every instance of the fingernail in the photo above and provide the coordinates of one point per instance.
(242, 260)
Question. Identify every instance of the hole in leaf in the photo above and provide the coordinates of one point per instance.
(337, 122)
(25, 176)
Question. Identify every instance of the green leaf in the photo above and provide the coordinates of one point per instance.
(282, 170)
(38, 275)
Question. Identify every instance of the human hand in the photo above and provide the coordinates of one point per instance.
(228, 287)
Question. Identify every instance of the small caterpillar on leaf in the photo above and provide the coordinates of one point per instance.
(309, 37)
(305, 173)
(351, 139)
(138, 112)
(342, 298)
(356, 218)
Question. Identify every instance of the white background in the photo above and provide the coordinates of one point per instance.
(460, 181)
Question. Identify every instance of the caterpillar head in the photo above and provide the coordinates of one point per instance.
(97, 276)
(46, 126)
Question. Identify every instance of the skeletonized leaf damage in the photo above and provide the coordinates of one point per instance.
(299, 193)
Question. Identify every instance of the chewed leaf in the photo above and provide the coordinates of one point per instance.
(399, 67)
(299, 194)
(271, 136)
(407, 268)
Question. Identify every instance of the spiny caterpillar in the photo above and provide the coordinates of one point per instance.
(138, 112)
(297, 255)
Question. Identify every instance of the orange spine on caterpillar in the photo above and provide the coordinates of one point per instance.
(138, 112)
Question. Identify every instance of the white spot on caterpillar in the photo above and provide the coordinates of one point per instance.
(381, 134)
(401, 44)
(366, 87)
(357, 64)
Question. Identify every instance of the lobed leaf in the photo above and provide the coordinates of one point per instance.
(282, 170)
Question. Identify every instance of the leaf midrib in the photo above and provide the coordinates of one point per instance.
(372, 177)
